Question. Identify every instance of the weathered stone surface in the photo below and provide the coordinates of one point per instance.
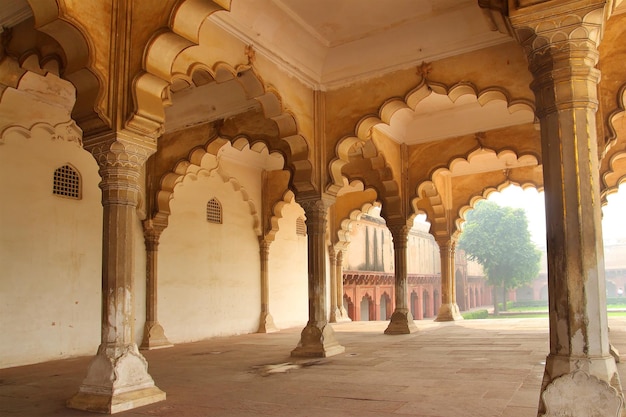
(581, 395)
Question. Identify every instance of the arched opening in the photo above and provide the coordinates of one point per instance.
(414, 304)
(385, 306)
(367, 309)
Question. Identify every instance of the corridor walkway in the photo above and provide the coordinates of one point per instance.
(473, 368)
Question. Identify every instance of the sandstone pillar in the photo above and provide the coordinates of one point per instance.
(334, 312)
(266, 321)
(401, 320)
(449, 309)
(153, 333)
(317, 338)
(117, 378)
(342, 313)
(562, 57)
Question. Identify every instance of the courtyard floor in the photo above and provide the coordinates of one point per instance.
(471, 368)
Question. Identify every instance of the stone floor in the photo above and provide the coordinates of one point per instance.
(473, 368)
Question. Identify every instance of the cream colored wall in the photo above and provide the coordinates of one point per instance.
(209, 279)
(288, 272)
(50, 252)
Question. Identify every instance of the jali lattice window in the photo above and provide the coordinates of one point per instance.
(214, 211)
(300, 227)
(66, 182)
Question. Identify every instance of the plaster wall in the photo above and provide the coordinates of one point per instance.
(50, 252)
(288, 272)
(209, 274)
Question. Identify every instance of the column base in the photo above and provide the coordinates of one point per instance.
(266, 324)
(401, 323)
(317, 341)
(345, 318)
(111, 404)
(154, 337)
(449, 312)
(117, 380)
(603, 368)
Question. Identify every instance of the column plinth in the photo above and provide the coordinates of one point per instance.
(401, 320)
(117, 378)
(318, 337)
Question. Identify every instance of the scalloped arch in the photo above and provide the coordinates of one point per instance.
(616, 173)
(365, 127)
(485, 195)
(67, 131)
(277, 214)
(77, 46)
(436, 211)
(198, 162)
(348, 223)
(174, 48)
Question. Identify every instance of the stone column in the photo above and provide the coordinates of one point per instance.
(266, 321)
(562, 52)
(343, 314)
(401, 320)
(153, 333)
(117, 377)
(449, 310)
(334, 312)
(317, 338)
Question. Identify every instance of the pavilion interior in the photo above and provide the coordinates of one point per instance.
(158, 158)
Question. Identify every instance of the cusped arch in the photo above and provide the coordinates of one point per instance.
(78, 61)
(485, 195)
(615, 149)
(348, 223)
(66, 131)
(398, 113)
(196, 165)
(171, 55)
(277, 213)
(429, 201)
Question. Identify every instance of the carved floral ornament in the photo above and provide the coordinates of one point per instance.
(580, 394)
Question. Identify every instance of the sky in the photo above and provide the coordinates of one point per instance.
(613, 219)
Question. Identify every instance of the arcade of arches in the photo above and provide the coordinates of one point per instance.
(183, 169)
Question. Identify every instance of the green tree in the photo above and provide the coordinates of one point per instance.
(498, 239)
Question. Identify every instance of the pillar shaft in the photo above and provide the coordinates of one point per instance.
(565, 84)
(117, 378)
(266, 322)
(153, 333)
(334, 313)
(342, 313)
(401, 319)
(317, 338)
(449, 309)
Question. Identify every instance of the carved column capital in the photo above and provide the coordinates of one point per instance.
(152, 233)
(120, 149)
(316, 207)
(400, 234)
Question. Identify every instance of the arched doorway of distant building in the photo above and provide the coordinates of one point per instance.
(349, 306)
(367, 308)
(426, 311)
(477, 301)
(385, 306)
(436, 301)
(414, 302)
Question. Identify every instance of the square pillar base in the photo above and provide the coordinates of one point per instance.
(111, 404)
